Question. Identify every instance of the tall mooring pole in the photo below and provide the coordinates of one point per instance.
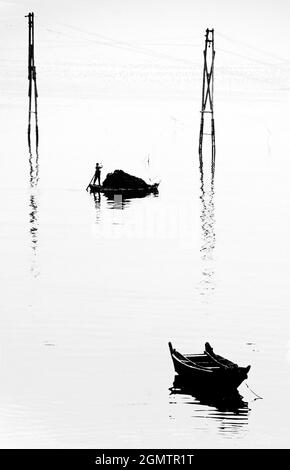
(32, 87)
(207, 93)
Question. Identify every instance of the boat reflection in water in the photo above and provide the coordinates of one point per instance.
(117, 201)
(229, 412)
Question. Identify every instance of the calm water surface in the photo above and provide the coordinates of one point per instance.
(93, 289)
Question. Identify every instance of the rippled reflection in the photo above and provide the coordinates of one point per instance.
(117, 202)
(229, 414)
(33, 168)
(33, 210)
(207, 217)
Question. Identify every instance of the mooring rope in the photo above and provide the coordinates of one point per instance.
(258, 396)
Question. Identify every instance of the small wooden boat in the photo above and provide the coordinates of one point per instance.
(208, 370)
(121, 183)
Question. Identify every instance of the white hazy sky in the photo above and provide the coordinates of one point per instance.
(92, 46)
(263, 23)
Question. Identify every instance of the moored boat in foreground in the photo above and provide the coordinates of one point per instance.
(208, 370)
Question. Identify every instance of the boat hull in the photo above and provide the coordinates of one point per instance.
(124, 192)
(207, 378)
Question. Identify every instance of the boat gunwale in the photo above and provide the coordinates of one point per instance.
(193, 365)
(101, 188)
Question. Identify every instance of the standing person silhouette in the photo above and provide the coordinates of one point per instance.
(97, 176)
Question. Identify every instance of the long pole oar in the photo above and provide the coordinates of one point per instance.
(90, 183)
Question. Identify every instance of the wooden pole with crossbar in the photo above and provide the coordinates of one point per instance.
(207, 93)
(32, 87)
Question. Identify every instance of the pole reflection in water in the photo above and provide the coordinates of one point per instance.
(229, 414)
(33, 168)
(33, 209)
(208, 241)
